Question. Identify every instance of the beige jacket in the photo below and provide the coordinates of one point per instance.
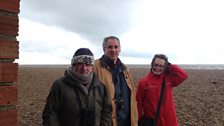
(106, 78)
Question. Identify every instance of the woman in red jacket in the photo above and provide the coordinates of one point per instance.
(149, 90)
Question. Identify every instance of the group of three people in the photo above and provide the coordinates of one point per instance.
(101, 92)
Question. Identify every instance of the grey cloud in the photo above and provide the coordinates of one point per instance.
(92, 19)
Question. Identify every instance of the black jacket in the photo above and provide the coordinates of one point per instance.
(69, 105)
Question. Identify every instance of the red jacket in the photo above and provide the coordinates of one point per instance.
(148, 94)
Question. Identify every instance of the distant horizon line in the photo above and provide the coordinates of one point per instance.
(125, 64)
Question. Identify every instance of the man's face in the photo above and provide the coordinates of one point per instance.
(112, 49)
(158, 66)
(83, 69)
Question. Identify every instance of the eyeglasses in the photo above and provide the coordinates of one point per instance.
(158, 65)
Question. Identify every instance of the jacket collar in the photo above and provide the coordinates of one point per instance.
(108, 63)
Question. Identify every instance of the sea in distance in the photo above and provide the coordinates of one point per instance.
(184, 66)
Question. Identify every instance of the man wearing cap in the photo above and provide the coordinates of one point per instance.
(78, 98)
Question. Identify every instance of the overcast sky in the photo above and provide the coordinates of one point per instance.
(187, 31)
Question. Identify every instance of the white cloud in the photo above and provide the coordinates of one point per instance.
(42, 44)
(188, 32)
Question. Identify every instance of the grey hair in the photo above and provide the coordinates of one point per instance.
(110, 37)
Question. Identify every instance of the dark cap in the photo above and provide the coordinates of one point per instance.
(83, 55)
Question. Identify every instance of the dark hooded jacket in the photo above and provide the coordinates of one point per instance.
(69, 104)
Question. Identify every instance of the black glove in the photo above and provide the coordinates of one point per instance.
(168, 64)
(167, 67)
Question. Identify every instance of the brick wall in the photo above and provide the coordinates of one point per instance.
(9, 51)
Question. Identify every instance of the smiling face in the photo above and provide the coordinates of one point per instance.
(112, 49)
(158, 66)
(83, 69)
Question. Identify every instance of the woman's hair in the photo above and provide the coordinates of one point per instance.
(160, 56)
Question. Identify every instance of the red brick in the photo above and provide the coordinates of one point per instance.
(10, 5)
(9, 118)
(9, 25)
(9, 49)
(8, 95)
(8, 72)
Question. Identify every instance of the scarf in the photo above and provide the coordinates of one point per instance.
(84, 81)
